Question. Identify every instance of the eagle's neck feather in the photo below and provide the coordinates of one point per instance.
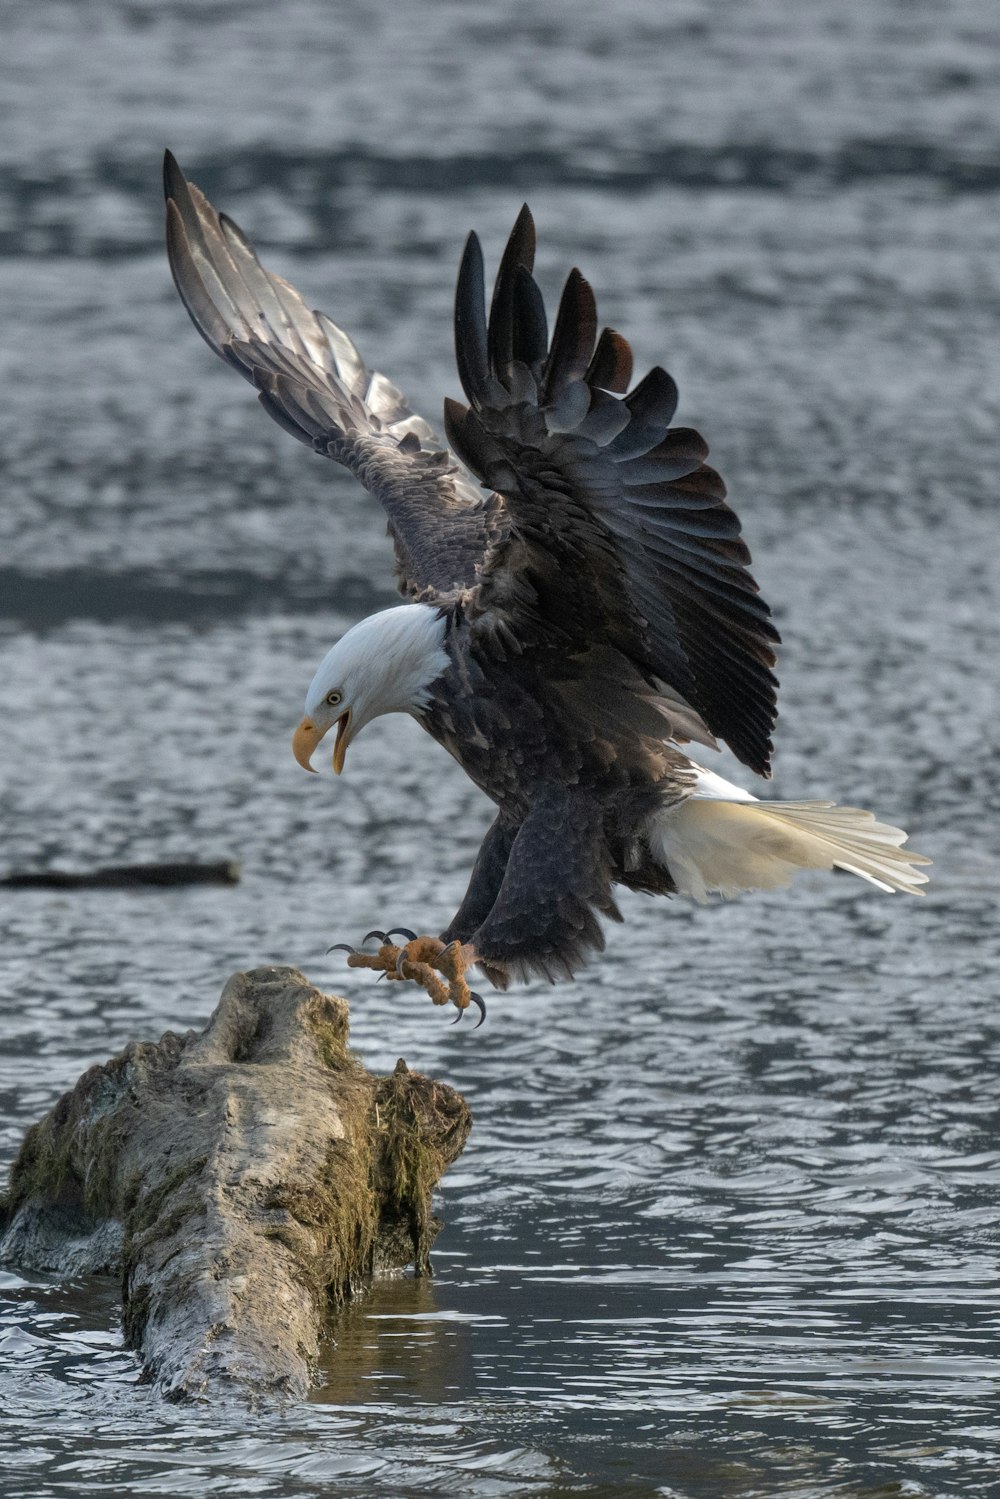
(411, 653)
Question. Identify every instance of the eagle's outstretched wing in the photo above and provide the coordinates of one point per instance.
(605, 526)
(617, 531)
(313, 382)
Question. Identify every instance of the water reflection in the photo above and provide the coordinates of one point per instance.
(397, 1344)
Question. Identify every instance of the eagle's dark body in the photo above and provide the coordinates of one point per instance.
(573, 799)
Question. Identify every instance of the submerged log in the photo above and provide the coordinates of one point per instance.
(124, 876)
(244, 1181)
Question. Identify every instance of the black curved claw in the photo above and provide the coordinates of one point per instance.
(382, 936)
(476, 1000)
(401, 931)
(341, 947)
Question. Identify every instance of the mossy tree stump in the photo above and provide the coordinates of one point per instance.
(243, 1181)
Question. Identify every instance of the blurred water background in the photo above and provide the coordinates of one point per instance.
(727, 1223)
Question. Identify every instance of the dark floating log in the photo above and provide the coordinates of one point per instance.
(120, 876)
(244, 1182)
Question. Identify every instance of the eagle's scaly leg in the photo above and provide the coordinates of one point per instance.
(454, 961)
(438, 967)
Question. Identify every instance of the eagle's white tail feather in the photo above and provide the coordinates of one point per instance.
(714, 845)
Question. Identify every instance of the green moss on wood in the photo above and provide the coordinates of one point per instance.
(328, 1021)
(147, 1208)
(71, 1155)
(418, 1130)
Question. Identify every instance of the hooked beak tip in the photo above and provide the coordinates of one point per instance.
(304, 742)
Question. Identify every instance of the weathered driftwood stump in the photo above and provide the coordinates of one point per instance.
(243, 1181)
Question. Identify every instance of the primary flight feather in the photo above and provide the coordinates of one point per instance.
(581, 607)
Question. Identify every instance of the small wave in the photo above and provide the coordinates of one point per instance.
(113, 206)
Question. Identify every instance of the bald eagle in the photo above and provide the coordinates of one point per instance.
(580, 606)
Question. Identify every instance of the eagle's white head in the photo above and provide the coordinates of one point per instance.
(385, 664)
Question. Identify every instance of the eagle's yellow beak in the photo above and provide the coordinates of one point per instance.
(304, 742)
(307, 736)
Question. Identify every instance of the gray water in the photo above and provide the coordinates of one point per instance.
(726, 1225)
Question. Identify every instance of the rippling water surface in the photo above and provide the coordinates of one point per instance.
(726, 1225)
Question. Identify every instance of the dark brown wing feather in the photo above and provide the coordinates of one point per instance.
(314, 383)
(618, 530)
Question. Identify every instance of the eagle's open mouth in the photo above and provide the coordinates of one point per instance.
(307, 737)
(342, 741)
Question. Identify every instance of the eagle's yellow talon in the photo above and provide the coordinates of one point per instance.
(437, 967)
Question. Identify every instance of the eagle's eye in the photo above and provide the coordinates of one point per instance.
(335, 699)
